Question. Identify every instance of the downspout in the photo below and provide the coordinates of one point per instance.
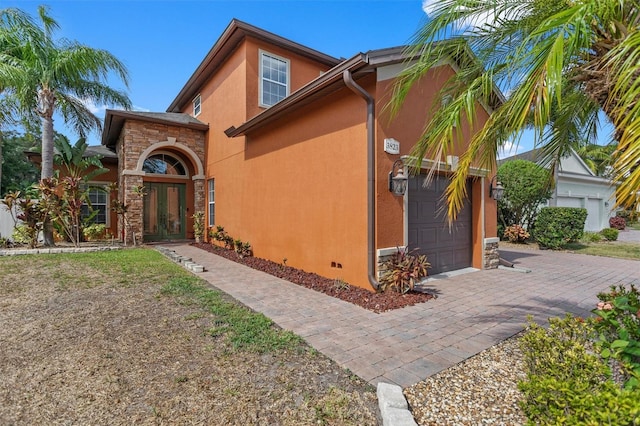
(371, 189)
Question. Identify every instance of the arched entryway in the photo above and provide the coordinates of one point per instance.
(165, 207)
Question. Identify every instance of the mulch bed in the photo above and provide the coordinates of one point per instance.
(376, 302)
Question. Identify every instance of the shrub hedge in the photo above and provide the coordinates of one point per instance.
(557, 226)
(610, 234)
(567, 383)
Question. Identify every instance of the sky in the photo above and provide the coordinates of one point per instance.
(161, 42)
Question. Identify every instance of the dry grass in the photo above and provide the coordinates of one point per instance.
(94, 339)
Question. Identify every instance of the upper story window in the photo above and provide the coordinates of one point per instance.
(196, 106)
(164, 164)
(274, 78)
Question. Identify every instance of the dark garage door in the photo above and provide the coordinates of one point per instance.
(446, 249)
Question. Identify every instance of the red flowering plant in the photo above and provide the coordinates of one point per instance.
(618, 327)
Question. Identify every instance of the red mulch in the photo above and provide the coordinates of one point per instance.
(376, 302)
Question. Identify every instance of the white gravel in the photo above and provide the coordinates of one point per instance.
(482, 390)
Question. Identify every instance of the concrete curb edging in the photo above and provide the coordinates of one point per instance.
(56, 250)
(183, 260)
(393, 406)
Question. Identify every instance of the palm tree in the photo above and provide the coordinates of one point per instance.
(561, 61)
(597, 157)
(41, 76)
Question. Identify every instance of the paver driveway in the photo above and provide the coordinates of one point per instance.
(472, 312)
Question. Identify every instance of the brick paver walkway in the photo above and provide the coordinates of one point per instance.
(472, 312)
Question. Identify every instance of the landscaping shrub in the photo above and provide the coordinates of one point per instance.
(567, 383)
(402, 270)
(94, 232)
(592, 237)
(617, 222)
(516, 234)
(610, 234)
(557, 226)
(618, 314)
(526, 186)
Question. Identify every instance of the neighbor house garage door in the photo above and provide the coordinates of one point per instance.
(447, 249)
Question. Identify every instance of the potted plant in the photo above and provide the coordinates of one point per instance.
(198, 226)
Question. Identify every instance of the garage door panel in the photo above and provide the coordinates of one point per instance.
(446, 248)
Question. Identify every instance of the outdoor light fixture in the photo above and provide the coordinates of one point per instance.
(398, 179)
(496, 190)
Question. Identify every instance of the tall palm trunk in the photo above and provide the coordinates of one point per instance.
(46, 102)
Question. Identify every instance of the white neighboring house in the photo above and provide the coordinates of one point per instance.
(578, 186)
(6, 221)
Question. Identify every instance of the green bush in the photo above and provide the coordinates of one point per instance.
(23, 234)
(618, 326)
(557, 226)
(94, 232)
(610, 234)
(592, 237)
(567, 383)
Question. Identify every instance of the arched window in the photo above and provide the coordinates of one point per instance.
(163, 164)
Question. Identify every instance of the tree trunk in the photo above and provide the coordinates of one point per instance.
(47, 148)
(47, 168)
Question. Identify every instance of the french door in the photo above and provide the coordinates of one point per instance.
(164, 211)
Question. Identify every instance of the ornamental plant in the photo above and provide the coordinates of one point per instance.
(223, 237)
(567, 382)
(516, 234)
(618, 325)
(402, 270)
(610, 234)
(198, 226)
(617, 222)
(94, 232)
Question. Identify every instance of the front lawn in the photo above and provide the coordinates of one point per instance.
(127, 337)
(608, 249)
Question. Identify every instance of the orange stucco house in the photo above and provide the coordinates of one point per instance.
(287, 148)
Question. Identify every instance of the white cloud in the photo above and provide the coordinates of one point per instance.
(140, 109)
(509, 149)
(95, 109)
(478, 20)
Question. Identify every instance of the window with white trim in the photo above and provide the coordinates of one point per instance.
(212, 202)
(196, 106)
(98, 203)
(274, 79)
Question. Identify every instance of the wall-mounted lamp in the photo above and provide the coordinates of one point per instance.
(398, 179)
(496, 190)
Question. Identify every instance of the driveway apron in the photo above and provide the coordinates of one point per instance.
(472, 312)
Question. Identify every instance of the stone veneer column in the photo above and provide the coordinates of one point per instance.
(198, 196)
(491, 253)
(134, 202)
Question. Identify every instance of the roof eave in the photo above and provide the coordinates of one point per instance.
(114, 121)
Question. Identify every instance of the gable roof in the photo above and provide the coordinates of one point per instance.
(232, 36)
(114, 121)
(537, 156)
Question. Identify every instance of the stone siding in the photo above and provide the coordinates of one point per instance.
(135, 138)
(491, 253)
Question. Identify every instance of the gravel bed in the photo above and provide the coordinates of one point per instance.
(482, 390)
